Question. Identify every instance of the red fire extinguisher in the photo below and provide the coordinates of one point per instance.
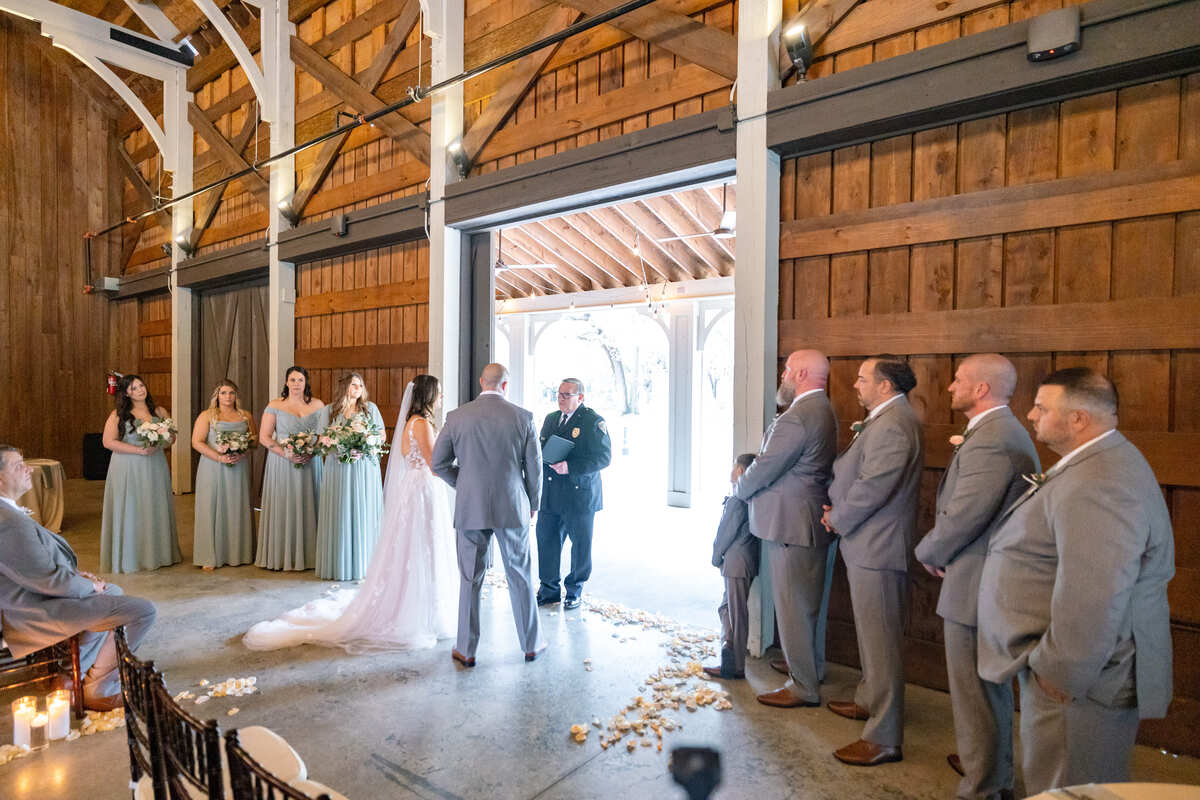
(112, 382)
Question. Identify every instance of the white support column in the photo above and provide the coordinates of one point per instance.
(183, 367)
(681, 382)
(756, 279)
(281, 93)
(519, 364)
(445, 244)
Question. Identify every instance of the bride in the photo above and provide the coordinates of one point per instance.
(409, 598)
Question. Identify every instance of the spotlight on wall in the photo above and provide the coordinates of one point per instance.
(286, 210)
(183, 241)
(460, 158)
(799, 49)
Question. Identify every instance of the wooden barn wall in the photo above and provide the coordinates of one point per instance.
(369, 313)
(875, 30)
(58, 177)
(1044, 230)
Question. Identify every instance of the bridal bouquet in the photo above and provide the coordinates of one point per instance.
(354, 439)
(156, 431)
(304, 443)
(236, 442)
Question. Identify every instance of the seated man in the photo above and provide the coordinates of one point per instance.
(45, 599)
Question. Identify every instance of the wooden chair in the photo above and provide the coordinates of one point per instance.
(61, 658)
(138, 678)
(191, 751)
(250, 780)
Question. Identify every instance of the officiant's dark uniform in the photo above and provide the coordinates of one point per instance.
(570, 502)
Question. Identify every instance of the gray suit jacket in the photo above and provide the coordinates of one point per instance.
(876, 482)
(488, 451)
(1075, 583)
(735, 548)
(43, 599)
(787, 484)
(982, 479)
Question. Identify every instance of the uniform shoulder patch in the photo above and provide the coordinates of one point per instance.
(600, 426)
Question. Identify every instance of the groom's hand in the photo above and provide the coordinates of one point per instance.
(560, 467)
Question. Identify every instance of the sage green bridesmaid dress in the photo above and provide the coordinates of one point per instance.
(287, 536)
(351, 509)
(138, 528)
(224, 534)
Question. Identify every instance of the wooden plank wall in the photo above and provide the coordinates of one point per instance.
(367, 312)
(154, 357)
(57, 175)
(874, 258)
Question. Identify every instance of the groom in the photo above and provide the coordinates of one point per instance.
(488, 451)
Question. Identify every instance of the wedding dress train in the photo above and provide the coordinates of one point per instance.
(409, 598)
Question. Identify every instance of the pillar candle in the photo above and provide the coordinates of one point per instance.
(37, 732)
(58, 709)
(23, 711)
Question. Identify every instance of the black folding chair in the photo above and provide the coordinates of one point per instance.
(61, 658)
(250, 780)
(191, 751)
(141, 718)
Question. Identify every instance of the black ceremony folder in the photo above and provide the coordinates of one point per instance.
(556, 449)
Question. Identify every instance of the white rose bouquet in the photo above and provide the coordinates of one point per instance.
(235, 442)
(304, 443)
(156, 431)
(354, 439)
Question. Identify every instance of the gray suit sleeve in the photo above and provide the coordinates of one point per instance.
(30, 564)
(732, 519)
(984, 477)
(533, 466)
(782, 450)
(1100, 533)
(443, 457)
(882, 470)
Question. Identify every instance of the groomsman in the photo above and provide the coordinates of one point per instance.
(786, 488)
(1073, 596)
(571, 494)
(873, 508)
(982, 479)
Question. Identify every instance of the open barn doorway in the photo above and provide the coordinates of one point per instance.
(635, 300)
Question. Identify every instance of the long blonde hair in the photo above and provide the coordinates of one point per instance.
(342, 402)
(214, 402)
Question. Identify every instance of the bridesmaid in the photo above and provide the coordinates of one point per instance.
(287, 536)
(138, 526)
(224, 534)
(351, 494)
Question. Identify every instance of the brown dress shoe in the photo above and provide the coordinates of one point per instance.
(780, 665)
(783, 697)
(848, 710)
(867, 754)
(955, 763)
(460, 658)
(717, 672)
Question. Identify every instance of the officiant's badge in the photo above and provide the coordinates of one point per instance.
(574, 433)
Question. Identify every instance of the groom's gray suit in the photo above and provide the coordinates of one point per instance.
(982, 479)
(488, 451)
(1074, 591)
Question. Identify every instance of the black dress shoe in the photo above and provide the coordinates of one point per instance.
(572, 602)
(546, 601)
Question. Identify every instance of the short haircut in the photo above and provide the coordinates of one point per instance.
(745, 460)
(578, 384)
(896, 372)
(1085, 389)
(8, 448)
(493, 375)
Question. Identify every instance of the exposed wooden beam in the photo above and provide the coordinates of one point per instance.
(139, 185)
(564, 254)
(659, 262)
(389, 295)
(562, 232)
(369, 80)
(665, 223)
(606, 240)
(820, 17)
(409, 136)
(129, 242)
(691, 40)
(669, 210)
(655, 229)
(870, 23)
(524, 249)
(700, 207)
(548, 281)
(520, 77)
(232, 158)
(207, 204)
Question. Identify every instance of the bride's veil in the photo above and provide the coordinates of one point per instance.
(397, 463)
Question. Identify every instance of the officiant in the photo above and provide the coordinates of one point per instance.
(575, 447)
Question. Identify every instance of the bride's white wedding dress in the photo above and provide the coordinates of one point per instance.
(409, 598)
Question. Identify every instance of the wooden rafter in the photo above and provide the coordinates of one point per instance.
(409, 136)
(562, 278)
(711, 48)
(707, 215)
(563, 253)
(660, 265)
(521, 78)
(667, 209)
(129, 242)
(139, 185)
(656, 229)
(369, 80)
(604, 239)
(206, 206)
(819, 17)
(580, 244)
(517, 246)
(231, 157)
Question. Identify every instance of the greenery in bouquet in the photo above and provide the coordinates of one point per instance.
(304, 443)
(235, 442)
(354, 439)
(156, 432)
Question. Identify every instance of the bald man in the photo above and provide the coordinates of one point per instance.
(786, 487)
(982, 479)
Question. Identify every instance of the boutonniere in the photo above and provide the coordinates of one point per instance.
(1035, 479)
(958, 439)
(858, 427)
(28, 511)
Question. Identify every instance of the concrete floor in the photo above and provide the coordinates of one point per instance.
(414, 725)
